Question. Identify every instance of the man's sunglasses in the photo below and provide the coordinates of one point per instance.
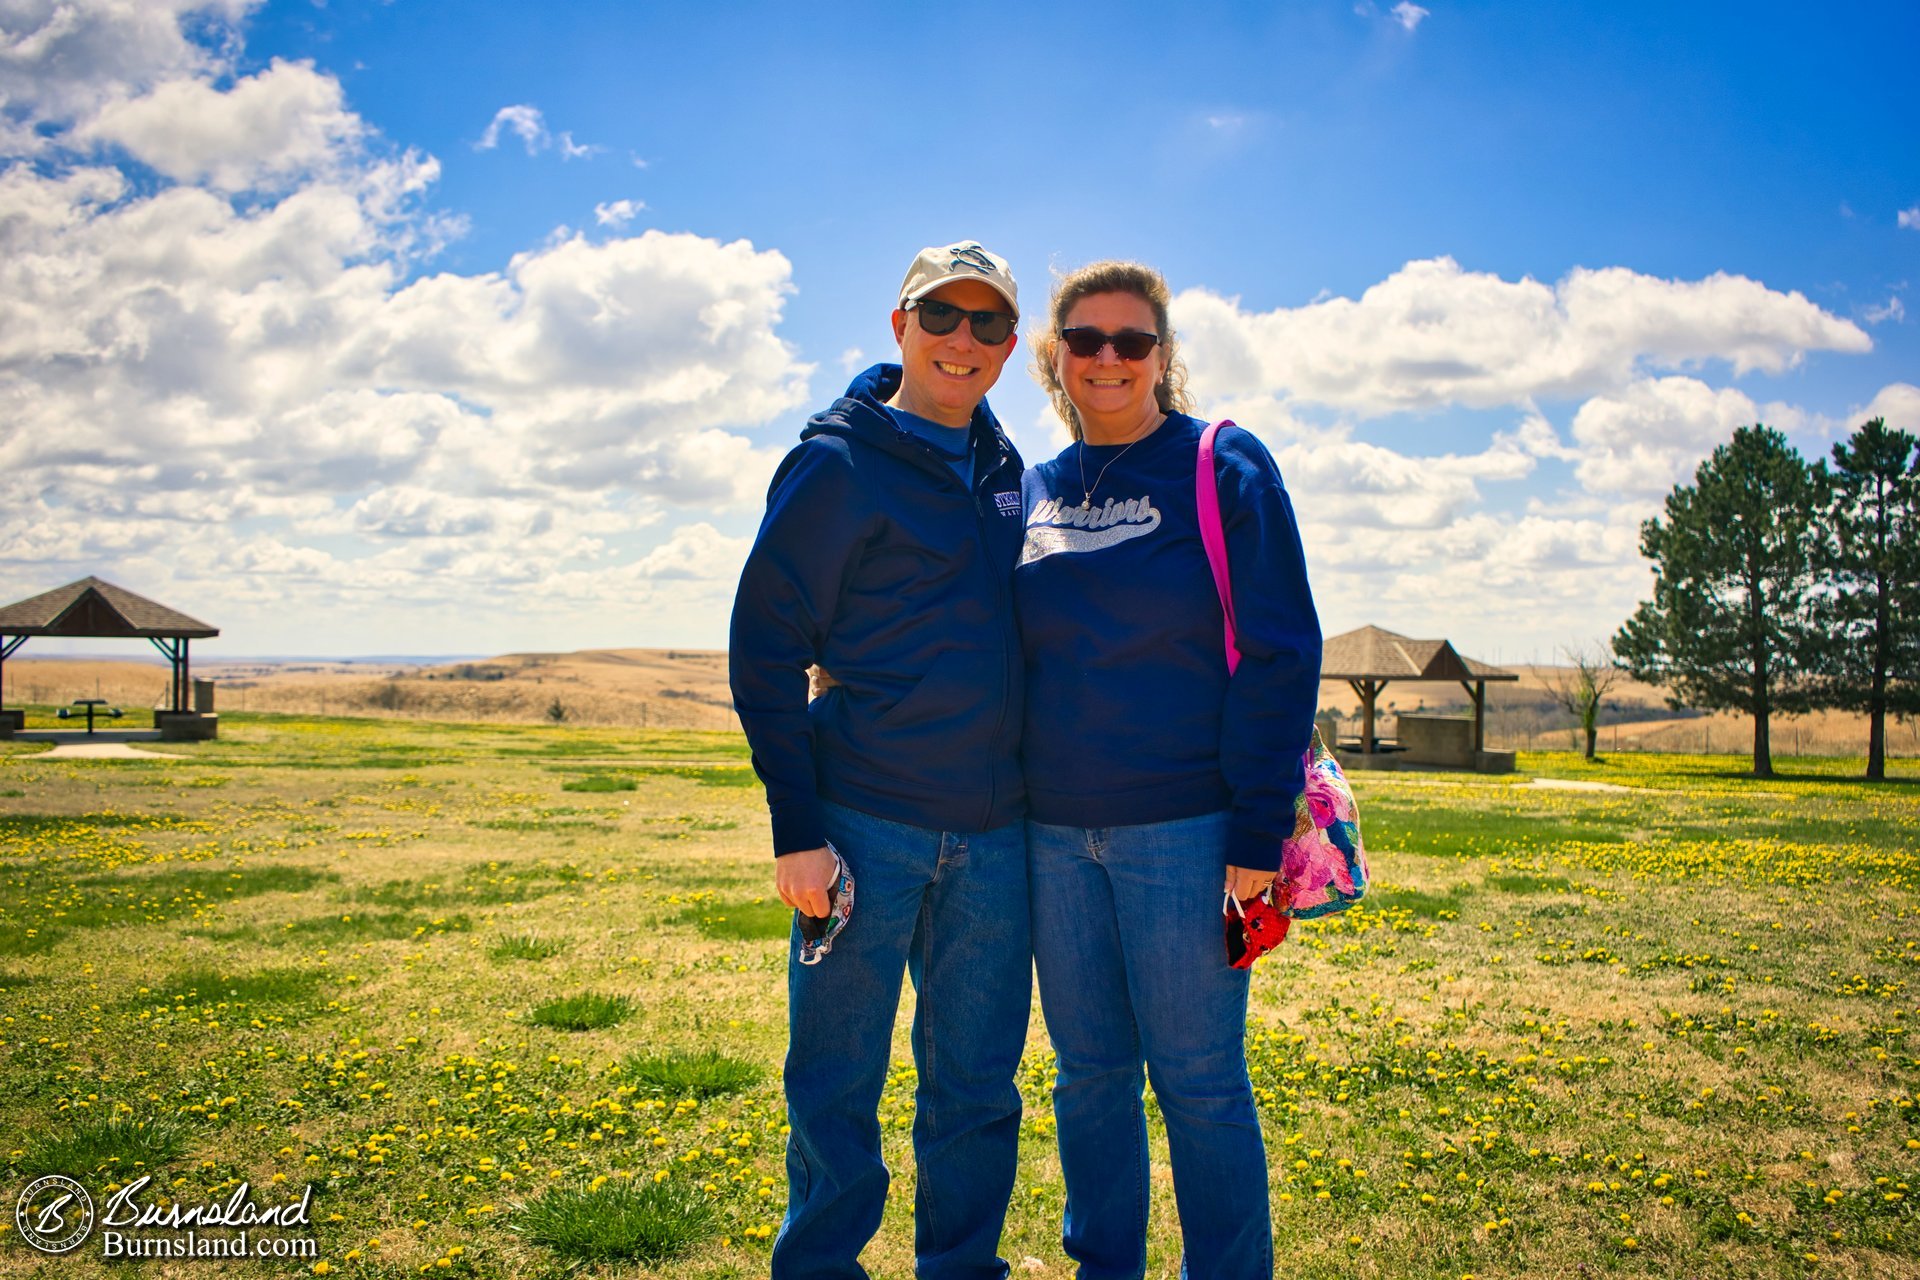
(938, 318)
(1128, 344)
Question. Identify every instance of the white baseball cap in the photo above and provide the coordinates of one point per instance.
(964, 260)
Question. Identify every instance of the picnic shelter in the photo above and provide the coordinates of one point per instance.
(1370, 658)
(95, 609)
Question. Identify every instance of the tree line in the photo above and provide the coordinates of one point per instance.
(1783, 586)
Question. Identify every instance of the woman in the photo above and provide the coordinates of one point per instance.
(1153, 779)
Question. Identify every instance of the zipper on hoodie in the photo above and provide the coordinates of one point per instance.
(925, 455)
(1003, 591)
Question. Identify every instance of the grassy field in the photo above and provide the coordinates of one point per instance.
(512, 999)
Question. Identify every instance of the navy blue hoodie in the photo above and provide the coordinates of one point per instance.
(876, 562)
(1131, 717)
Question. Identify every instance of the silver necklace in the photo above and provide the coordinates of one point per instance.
(1086, 490)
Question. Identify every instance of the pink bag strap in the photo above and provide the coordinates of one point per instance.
(1206, 493)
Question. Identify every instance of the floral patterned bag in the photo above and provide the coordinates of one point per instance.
(1323, 864)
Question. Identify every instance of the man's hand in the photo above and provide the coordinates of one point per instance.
(805, 879)
(1245, 883)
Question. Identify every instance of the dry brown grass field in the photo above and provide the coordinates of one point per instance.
(687, 689)
(641, 688)
(459, 977)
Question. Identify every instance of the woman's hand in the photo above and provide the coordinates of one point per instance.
(1246, 883)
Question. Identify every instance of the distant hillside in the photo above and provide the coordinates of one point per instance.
(687, 689)
(664, 688)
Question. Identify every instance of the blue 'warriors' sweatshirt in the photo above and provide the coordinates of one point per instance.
(876, 561)
(1131, 717)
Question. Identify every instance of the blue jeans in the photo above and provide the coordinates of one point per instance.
(950, 908)
(1133, 968)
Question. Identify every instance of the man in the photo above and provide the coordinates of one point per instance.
(886, 556)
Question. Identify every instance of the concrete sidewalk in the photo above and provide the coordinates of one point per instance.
(98, 750)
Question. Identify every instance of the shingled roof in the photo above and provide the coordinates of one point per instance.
(1372, 653)
(91, 608)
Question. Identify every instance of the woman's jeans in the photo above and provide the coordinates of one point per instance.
(950, 908)
(1128, 944)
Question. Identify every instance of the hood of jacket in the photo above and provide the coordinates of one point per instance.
(861, 414)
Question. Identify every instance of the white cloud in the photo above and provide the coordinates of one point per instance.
(1433, 334)
(1408, 14)
(527, 123)
(1893, 309)
(283, 122)
(1361, 485)
(1404, 14)
(62, 60)
(1650, 436)
(237, 386)
(1426, 544)
(520, 119)
(696, 551)
(617, 213)
(1897, 402)
(1910, 218)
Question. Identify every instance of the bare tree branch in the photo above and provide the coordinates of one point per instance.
(1582, 686)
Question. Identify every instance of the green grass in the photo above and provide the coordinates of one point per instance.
(590, 1011)
(485, 885)
(525, 946)
(1424, 906)
(679, 1074)
(120, 1146)
(599, 782)
(743, 921)
(647, 1221)
(353, 926)
(1520, 883)
(211, 883)
(272, 987)
(541, 824)
(716, 776)
(1547, 989)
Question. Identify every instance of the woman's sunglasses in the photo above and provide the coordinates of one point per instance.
(938, 318)
(1128, 344)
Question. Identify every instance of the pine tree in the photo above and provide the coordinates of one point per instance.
(1872, 558)
(1729, 625)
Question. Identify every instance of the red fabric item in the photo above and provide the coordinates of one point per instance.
(1253, 928)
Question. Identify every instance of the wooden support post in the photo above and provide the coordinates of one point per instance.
(1477, 692)
(176, 652)
(1368, 690)
(7, 649)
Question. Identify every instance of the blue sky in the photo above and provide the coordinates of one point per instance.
(411, 376)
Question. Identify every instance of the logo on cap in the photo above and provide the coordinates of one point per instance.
(972, 257)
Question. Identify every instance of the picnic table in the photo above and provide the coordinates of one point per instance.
(92, 706)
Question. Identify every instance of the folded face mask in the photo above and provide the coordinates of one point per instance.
(818, 932)
(1253, 928)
